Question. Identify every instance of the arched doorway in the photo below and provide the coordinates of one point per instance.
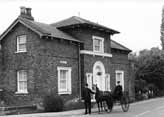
(99, 75)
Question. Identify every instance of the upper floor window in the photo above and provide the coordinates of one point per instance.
(22, 81)
(98, 44)
(21, 43)
(64, 80)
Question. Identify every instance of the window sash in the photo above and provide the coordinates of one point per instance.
(64, 80)
(98, 44)
(22, 81)
(120, 77)
(21, 43)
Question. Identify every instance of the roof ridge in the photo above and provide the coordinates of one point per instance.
(52, 24)
(81, 20)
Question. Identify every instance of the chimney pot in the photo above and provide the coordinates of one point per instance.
(26, 13)
(23, 10)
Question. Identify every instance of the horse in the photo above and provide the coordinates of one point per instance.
(103, 97)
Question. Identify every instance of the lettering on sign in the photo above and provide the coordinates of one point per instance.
(63, 62)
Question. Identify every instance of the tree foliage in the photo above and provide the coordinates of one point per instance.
(148, 65)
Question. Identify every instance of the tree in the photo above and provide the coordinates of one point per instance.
(149, 66)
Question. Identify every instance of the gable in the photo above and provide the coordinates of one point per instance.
(41, 29)
(13, 25)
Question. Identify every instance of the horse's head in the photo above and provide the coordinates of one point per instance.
(95, 88)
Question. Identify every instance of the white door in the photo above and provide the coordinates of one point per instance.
(99, 75)
(100, 82)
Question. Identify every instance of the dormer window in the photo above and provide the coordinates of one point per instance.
(21, 43)
(98, 44)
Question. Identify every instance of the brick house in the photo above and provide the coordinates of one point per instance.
(61, 57)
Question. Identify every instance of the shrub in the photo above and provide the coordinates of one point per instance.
(73, 104)
(53, 103)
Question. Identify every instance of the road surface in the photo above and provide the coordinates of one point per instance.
(149, 108)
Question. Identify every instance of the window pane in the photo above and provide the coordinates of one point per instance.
(97, 44)
(22, 81)
(20, 86)
(22, 76)
(21, 39)
(63, 74)
(22, 47)
(63, 84)
(25, 86)
(119, 76)
(63, 79)
(21, 43)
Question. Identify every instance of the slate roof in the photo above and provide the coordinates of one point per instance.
(116, 45)
(42, 29)
(52, 30)
(74, 20)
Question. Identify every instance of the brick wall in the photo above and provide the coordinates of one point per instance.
(41, 61)
(118, 61)
(85, 35)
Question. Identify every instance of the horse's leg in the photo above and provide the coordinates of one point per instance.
(105, 104)
(101, 105)
(109, 104)
(98, 107)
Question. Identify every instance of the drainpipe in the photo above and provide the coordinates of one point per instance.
(79, 70)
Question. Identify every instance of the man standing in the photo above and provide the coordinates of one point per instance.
(118, 91)
(87, 99)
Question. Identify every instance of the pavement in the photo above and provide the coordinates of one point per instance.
(72, 113)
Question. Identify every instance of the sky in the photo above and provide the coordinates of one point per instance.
(138, 20)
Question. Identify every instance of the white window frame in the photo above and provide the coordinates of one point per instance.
(18, 43)
(18, 82)
(107, 82)
(68, 89)
(121, 82)
(90, 82)
(101, 44)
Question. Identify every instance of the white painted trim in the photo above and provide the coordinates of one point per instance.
(102, 46)
(101, 65)
(122, 72)
(69, 87)
(108, 82)
(18, 37)
(95, 53)
(18, 79)
(12, 26)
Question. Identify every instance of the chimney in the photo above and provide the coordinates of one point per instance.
(26, 13)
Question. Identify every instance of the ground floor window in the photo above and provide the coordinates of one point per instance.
(64, 80)
(22, 81)
(107, 82)
(120, 77)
